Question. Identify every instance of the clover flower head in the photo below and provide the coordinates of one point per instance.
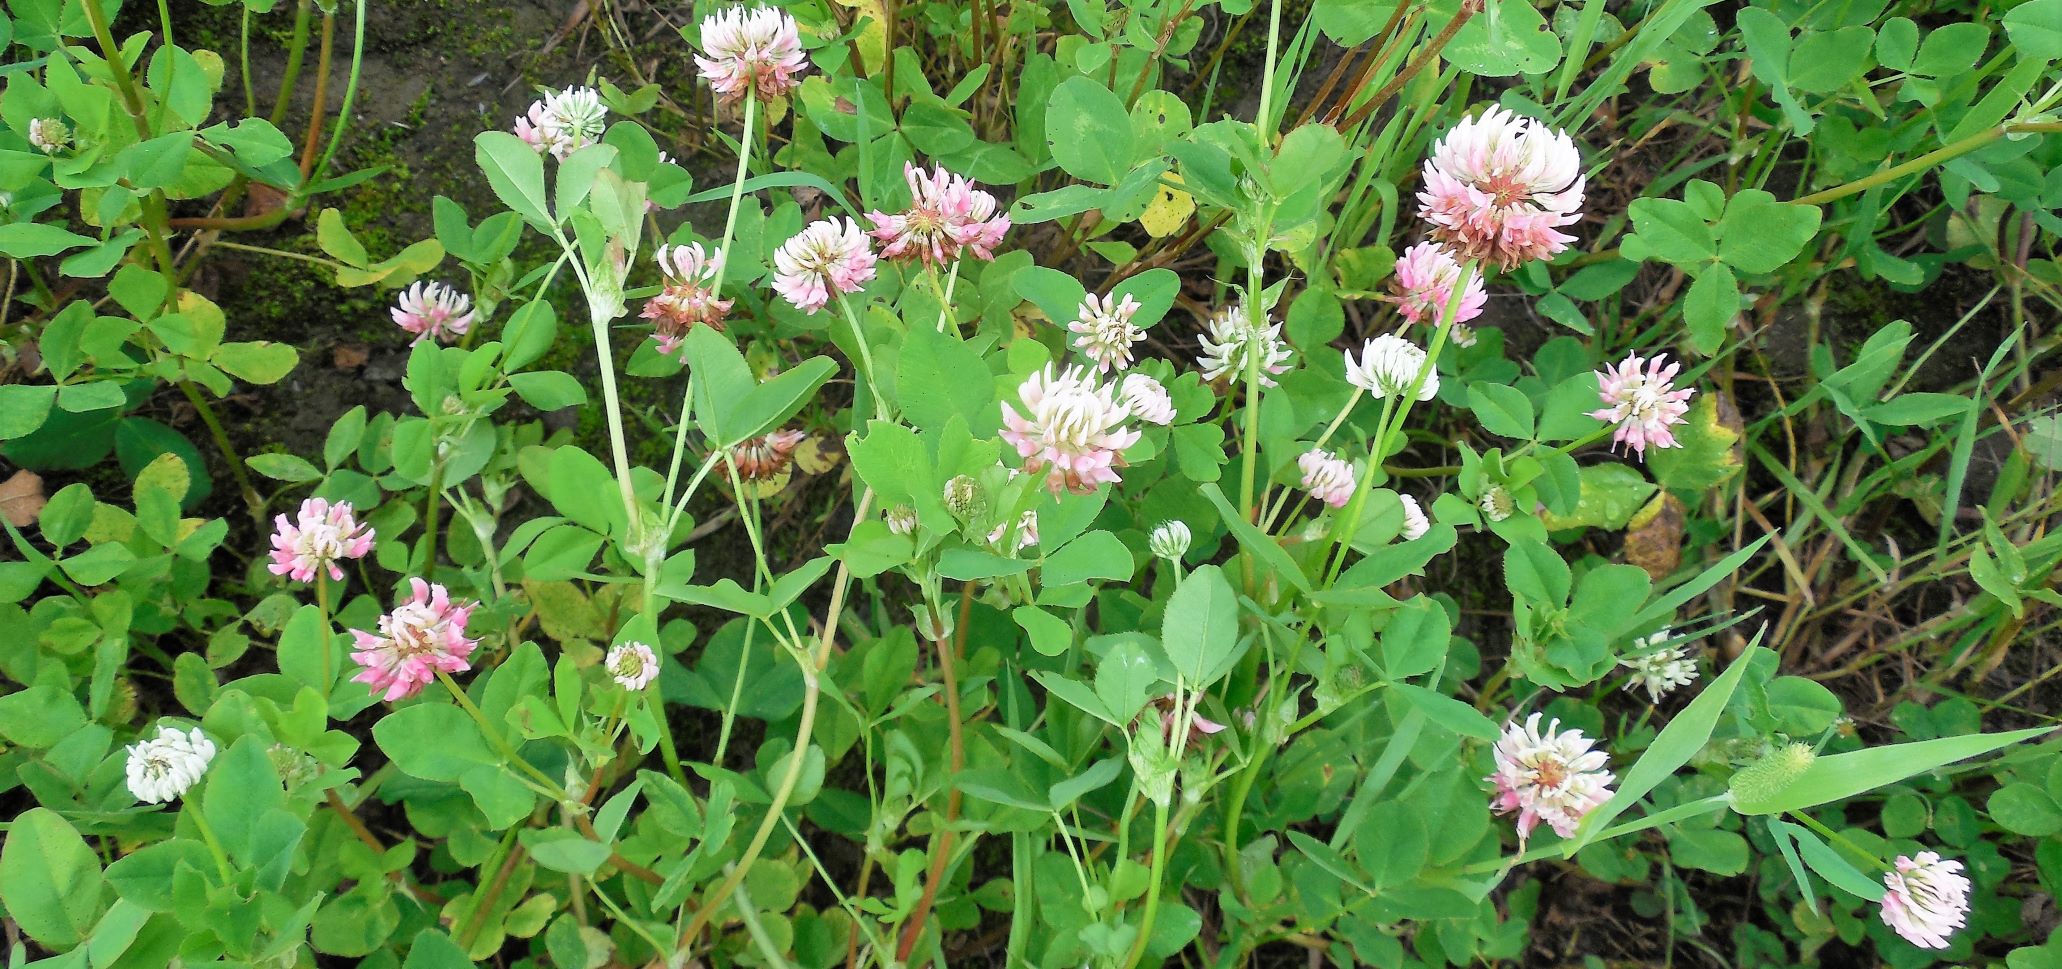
(166, 766)
(1073, 429)
(1498, 187)
(433, 311)
(632, 665)
(1231, 342)
(1201, 728)
(689, 297)
(1415, 524)
(948, 215)
(1147, 399)
(1326, 476)
(1640, 397)
(1026, 533)
(1550, 775)
(313, 542)
(1104, 332)
(830, 256)
(901, 520)
(755, 51)
(1169, 540)
(563, 122)
(1927, 899)
(424, 635)
(49, 135)
(767, 456)
(1388, 366)
(1424, 282)
(1497, 503)
(1659, 670)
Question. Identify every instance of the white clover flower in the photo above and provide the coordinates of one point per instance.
(1498, 187)
(1231, 343)
(49, 135)
(1326, 476)
(1553, 775)
(165, 767)
(563, 122)
(1387, 367)
(1147, 399)
(1104, 332)
(1415, 524)
(632, 665)
(1073, 428)
(1169, 540)
(1659, 671)
(1026, 533)
(1927, 900)
(901, 519)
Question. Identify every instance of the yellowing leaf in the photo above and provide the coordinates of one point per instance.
(872, 41)
(1169, 210)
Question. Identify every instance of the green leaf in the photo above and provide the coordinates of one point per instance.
(1447, 711)
(29, 240)
(49, 879)
(1125, 678)
(1837, 776)
(1096, 555)
(1089, 131)
(433, 949)
(1684, 736)
(1415, 640)
(284, 467)
(2025, 809)
(940, 377)
(1255, 541)
(1759, 234)
(530, 332)
(516, 173)
(2036, 28)
(1050, 635)
(1200, 630)
(260, 362)
(1508, 37)
(1608, 497)
(772, 403)
(563, 849)
(1801, 706)
(548, 390)
(1503, 409)
(1828, 863)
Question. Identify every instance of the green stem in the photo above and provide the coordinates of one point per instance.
(1145, 927)
(328, 652)
(1926, 161)
(336, 134)
(1265, 117)
(229, 455)
(207, 834)
(1837, 838)
(297, 49)
(945, 299)
(873, 384)
(722, 254)
(494, 737)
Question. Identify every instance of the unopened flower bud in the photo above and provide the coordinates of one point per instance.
(49, 135)
(1170, 540)
(963, 497)
(1497, 504)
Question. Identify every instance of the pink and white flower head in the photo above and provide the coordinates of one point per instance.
(1231, 341)
(433, 311)
(1104, 331)
(830, 256)
(1497, 187)
(1326, 476)
(765, 457)
(1639, 396)
(49, 135)
(1415, 524)
(1075, 429)
(563, 122)
(1148, 400)
(689, 298)
(753, 51)
(947, 216)
(1553, 775)
(322, 534)
(1425, 278)
(1388, 367)
(1927, 900)
(422, 636)
(632, 665)
(1026, 533)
